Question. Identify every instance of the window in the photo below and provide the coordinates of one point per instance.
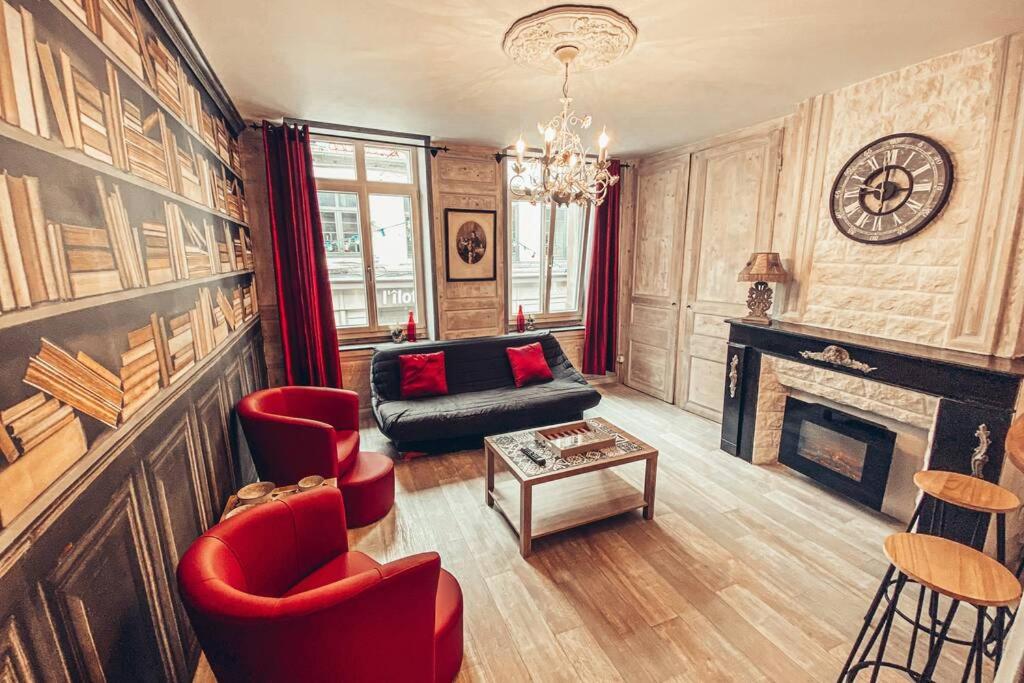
(547, 253)
(370, 212)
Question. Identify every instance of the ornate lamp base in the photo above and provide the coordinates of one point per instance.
(759, 301)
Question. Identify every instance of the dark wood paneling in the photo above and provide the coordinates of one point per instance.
(176, 478)
(91, 594)
(104, 594)
(14, 658)
(213, 411)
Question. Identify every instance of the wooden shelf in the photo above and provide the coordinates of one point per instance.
(570, 502)
(16, 538)
(141, 83)
(49, 310)
(56, 148)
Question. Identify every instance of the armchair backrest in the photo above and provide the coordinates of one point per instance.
(287, 441)
(375, 625)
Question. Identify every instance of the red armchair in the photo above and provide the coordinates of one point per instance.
(275, 594)
(294, 432)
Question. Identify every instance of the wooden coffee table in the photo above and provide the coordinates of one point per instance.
(577, 490)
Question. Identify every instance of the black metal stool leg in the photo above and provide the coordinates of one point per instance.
(916, 626)
(936, 649)
(886, 626)
(867, 623)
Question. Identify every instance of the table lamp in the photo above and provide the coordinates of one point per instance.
(762, 267)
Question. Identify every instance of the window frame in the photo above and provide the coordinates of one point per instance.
(577, 315)
(363, 188)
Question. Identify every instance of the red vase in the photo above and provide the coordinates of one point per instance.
(410, 330)
(520, 320)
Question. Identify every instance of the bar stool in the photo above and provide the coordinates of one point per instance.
(947, 568)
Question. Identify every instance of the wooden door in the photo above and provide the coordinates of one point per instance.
(731, 210)
(653, 312)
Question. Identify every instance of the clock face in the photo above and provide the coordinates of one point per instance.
(891, 189)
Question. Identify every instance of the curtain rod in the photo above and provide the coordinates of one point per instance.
(433, 149)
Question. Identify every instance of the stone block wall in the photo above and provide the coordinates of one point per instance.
(906, 290)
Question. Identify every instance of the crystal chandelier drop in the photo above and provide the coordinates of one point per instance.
(563, 175)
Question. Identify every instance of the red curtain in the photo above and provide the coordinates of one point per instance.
(602, 296)
(308, 335)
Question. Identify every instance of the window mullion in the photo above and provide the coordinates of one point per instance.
(549, 251)
(370, 276)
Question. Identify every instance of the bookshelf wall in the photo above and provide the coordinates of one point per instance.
(128, 328)
(121, 206)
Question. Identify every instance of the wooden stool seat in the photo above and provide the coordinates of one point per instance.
(953, 569)
(967, 492)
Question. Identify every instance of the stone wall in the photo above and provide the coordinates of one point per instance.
(905, 290)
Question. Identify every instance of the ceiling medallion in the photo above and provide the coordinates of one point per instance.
(581, 38)
(600, 34)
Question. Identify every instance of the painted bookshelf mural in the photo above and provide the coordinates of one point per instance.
(125, 256)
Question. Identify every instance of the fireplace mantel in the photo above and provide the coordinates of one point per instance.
(973, 390)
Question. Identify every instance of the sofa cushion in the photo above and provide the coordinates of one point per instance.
(485, 412)
(528, 364)
(422, 374)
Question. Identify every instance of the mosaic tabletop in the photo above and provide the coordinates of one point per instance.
(509, 444)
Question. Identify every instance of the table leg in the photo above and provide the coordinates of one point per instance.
(489, 476)
(650, 479)
(525, 519)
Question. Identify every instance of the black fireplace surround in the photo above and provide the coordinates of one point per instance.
(973, 390)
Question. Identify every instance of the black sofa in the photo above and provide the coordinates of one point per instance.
(482, 396)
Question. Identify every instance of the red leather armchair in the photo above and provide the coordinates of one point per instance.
(294, 432)
(275, 594)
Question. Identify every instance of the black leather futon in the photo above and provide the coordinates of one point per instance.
(482, 396)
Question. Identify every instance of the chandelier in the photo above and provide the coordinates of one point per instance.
(563, 175)
(585, 37)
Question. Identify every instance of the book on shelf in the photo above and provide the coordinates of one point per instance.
(72, 381)
(166, 75)
(15, 59)
(55, 94)
(37, 468)
(95, 242)
(115, 118)
(70, 98)
(92, 118)
(140, 370)
(119, 32)
(28, 265)
(124, 240)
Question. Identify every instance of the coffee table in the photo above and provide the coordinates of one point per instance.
(577, 489)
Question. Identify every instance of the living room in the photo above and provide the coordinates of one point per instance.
(489, 341)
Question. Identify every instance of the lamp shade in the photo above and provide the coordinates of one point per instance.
(763, 266)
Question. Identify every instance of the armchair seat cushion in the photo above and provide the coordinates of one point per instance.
(447, 628)
(346, 442)
(341, 567)
(486, 412)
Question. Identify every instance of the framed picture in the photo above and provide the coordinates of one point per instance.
(469, 245)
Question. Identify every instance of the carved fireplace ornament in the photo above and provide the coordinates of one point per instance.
(979, 456)
(734, 375)
(837, 355)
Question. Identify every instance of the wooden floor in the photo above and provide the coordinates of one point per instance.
(746, 573)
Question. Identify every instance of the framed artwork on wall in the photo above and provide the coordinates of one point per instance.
(470, 249)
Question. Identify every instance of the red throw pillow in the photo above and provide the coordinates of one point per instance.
(528, 364)
(422, 374)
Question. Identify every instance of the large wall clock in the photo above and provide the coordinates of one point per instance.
(891, 188)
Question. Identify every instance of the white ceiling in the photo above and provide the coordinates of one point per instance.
(700, 67)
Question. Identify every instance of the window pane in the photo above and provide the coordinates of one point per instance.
(333, 159)
(388, 165)
(528, 229)
(394, 265)
(339, 214)
(567, 258)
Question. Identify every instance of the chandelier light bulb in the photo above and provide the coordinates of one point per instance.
(520, 149)
(602, 140)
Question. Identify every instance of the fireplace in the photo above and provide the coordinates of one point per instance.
(842, 451)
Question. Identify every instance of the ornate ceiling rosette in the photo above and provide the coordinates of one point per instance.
(601, 34)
